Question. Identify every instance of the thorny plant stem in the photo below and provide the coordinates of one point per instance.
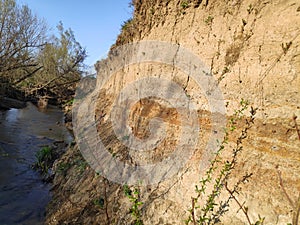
(224, 174)
(297, 213)
(240, 205)
(283, 189)
(193, 211)
(296, 125)
(295, 205)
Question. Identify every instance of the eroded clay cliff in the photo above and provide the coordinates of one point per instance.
(252, 49)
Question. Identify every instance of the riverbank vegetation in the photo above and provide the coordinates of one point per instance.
(33, 62)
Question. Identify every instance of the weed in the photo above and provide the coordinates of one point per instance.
(62, 168)
(209, 20)
(184, 5)
(127, 24)
(70, 102)
(81, 164)
(125, 138)
(134, 196)
(211, 211)
(44, 159)
(99, 202)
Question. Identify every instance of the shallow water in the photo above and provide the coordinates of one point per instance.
(23, 196)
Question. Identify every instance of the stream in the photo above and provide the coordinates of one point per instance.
(23, 194)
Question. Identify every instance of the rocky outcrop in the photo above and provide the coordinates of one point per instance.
(252, 49)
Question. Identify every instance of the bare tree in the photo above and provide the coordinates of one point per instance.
(62, 64)
(22, 35)
(33, 60)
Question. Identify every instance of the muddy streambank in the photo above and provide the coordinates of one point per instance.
(23, 194)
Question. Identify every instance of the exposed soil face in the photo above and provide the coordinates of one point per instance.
(78, 189)
(252, 49)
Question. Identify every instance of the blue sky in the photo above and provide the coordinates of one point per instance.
(96, 23)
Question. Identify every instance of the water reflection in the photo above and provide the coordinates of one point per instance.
(23, 196)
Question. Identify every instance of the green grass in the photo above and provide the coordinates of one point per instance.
(44, 159)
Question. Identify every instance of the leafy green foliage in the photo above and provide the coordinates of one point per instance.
(134, 196)
(209, 20)
(209, 210)
(44, 159)
(184, 4)
(81, 164)
(63, 167)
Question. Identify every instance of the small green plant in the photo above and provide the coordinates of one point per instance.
(126, 24)
(185, 4)
(70, 102)
(125, 138)
(99, 202)
(81, 164)
(62, 168)
(209, 20)
(44, 159)
(134, 196)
